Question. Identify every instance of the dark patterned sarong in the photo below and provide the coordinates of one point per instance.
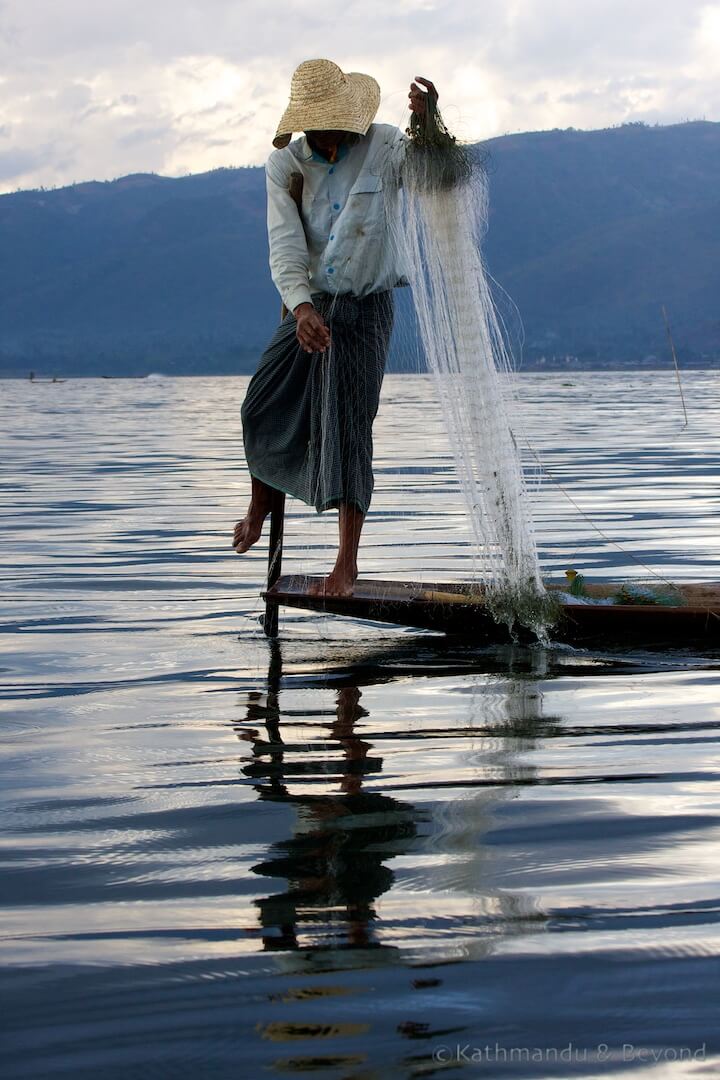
(307, 417)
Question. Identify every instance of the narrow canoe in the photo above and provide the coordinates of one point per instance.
(458, 609)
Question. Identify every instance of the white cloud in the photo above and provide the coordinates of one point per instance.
(92, 91)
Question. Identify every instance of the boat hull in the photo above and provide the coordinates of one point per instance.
(458, 609)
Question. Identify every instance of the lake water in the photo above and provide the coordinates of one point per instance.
(368, 852)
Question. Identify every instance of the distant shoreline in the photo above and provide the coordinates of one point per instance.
(556, 368)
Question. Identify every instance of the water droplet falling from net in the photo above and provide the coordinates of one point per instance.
(437, 213)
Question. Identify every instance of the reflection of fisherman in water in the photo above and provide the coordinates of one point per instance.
(335, 863)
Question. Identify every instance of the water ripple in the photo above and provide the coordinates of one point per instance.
(338, 855)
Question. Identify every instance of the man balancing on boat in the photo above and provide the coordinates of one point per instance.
(309, 409)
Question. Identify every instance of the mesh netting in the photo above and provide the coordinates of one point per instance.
(437, 212)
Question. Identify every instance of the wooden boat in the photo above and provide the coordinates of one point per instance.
(459, 609)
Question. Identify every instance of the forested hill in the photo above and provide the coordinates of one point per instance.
(590, 233)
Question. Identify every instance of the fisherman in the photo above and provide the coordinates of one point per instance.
(309, 409)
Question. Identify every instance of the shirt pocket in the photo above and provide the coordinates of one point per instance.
(365, 209)
(367, 184)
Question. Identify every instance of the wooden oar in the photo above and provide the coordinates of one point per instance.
(277, 505)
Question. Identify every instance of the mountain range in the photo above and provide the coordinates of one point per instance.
(590, 234)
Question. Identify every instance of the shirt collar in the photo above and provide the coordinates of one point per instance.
(343, 149)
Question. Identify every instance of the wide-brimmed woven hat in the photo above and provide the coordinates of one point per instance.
(324, 98)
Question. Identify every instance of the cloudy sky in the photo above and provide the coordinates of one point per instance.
(95, 89)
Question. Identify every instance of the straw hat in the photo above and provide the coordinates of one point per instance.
(324, 98)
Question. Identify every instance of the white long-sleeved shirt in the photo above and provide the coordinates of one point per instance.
(342, 244)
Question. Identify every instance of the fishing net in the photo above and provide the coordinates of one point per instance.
(437, 207)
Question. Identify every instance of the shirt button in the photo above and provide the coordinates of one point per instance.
(336, 206)
(331, 169)
(331, 269)
(332, 236)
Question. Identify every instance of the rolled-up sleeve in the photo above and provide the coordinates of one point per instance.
(289, 259)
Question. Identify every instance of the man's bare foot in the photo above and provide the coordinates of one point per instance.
(339, 582)
(249, 530)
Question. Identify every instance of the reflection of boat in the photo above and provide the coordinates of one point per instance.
(459, 609)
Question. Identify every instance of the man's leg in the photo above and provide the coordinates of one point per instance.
(361, 345)
(342, 577)
(275, 419)
(248, 531)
